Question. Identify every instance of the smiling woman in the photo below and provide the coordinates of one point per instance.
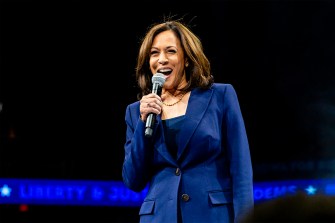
(58, 60)
(205, 172)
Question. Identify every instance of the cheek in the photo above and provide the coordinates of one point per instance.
(179, 70)
(153, 70)
(152, 65)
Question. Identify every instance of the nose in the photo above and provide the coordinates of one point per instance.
(162, 59)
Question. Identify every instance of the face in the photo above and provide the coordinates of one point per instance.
(167, 57)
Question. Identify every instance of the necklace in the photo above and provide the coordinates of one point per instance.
(181, 97)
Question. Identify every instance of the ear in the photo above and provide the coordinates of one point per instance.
(186, 63)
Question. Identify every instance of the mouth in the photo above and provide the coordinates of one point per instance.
(165, 71)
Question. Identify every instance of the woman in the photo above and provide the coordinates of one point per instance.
(197, 163)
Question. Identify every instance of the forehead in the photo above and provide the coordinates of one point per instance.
(166, 37)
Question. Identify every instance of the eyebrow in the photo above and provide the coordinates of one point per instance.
(153, 47)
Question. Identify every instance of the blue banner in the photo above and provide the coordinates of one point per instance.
(65, 192)
(114, 193)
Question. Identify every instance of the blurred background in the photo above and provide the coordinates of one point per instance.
(67, 74)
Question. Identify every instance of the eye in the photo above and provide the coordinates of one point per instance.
(154, 52)
(171, 51)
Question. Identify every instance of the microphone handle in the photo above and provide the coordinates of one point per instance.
(157, 89)
(149, 124)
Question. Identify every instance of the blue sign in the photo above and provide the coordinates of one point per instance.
(59, 192)
(114, 193)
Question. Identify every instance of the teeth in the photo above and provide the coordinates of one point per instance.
(165, 70)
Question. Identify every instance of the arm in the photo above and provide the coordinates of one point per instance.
(138, 153)
(239, 155)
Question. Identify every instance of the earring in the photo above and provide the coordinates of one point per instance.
(186, 64)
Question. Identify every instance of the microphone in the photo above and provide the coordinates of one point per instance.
(157, 82)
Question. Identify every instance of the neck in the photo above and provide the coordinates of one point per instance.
(174, 93)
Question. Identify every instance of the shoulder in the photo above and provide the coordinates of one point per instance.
(223, 88)
(217, 90)
(225, 92)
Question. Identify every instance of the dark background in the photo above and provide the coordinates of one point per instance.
(67, 74)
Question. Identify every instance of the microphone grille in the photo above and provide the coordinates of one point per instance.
(158, 78)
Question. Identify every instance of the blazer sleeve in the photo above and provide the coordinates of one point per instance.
(239, 155)
(137, 160)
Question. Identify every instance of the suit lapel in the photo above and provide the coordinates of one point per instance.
(197, 105)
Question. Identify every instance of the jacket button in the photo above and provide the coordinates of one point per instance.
(177, 172)
(185, 197)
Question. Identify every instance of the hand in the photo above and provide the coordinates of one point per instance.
(150, 103)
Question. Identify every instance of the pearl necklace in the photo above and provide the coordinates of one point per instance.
(181, 97)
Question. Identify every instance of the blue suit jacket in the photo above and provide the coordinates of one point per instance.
(211, 178)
